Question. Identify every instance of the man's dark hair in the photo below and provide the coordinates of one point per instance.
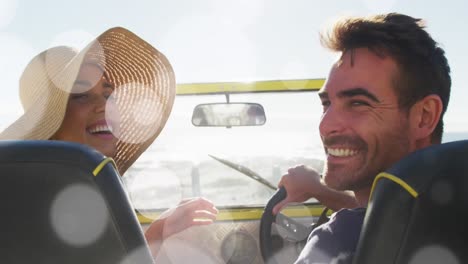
(423, 67)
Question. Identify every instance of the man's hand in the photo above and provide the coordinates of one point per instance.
(302, 183)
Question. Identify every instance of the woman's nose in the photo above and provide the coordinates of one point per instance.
(100, 103)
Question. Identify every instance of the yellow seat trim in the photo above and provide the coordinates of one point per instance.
(103, 163)
(397, 180)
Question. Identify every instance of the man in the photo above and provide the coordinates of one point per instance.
(384, 98)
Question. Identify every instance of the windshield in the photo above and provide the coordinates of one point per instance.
(178, 165)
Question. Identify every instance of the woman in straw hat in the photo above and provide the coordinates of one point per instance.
(115, 96)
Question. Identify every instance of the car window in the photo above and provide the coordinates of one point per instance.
(180, 165)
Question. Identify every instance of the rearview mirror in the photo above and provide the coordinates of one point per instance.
(228, 114)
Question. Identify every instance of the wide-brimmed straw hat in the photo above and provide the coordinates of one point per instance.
(144, 83)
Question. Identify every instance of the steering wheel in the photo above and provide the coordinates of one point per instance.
(295, 231)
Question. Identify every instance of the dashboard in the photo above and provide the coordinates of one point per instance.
(229, 242)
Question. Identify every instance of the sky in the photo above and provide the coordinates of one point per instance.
(219, 40)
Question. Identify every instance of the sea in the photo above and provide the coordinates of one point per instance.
(159, 180)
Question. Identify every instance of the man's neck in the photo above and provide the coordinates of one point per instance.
(362, 196)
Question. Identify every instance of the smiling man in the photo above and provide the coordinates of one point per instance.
(363, 128)
(384, 98)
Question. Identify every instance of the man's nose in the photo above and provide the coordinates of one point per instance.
(333, 121)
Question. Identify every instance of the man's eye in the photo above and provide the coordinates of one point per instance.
(359, 103)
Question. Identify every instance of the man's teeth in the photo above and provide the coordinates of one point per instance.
(342, 152)
(101, 128)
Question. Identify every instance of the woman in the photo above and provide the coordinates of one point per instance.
(115, 96)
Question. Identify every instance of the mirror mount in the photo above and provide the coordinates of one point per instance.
(227, 101)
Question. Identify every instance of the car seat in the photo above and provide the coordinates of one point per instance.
(418, 210)
(64, 202)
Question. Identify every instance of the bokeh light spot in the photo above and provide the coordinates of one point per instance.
(442, 192)
(434, 254)
(79, 215)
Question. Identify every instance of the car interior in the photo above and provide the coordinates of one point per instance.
(87, 217)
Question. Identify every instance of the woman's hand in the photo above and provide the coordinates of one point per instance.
(189, 212)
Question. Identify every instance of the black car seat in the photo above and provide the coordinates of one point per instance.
(418, 210)
(64, 203)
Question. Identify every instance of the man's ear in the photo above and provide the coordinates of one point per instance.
(424, 116)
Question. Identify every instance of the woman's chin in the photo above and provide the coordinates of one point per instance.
(108, 150)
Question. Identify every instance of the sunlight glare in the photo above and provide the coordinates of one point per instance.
(138, 112)
(247, 12)
(147, 187)
(179, 248)
(228, 49)
(378, 6)
(295, 69)
(15, 54)
(77, 38)
(7, 12)
(63, 56)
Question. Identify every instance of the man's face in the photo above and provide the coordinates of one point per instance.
(362, 128)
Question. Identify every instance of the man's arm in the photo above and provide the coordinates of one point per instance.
(302, 183)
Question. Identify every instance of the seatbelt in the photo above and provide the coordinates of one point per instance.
(323, 218)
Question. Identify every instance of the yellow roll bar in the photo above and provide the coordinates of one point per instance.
(250, 87)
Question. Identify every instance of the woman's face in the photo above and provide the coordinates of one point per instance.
(85, 119)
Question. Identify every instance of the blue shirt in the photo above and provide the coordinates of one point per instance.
(334, 241)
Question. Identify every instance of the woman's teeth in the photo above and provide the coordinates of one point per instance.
(100, 129)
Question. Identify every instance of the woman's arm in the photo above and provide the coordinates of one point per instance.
(189, 212)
